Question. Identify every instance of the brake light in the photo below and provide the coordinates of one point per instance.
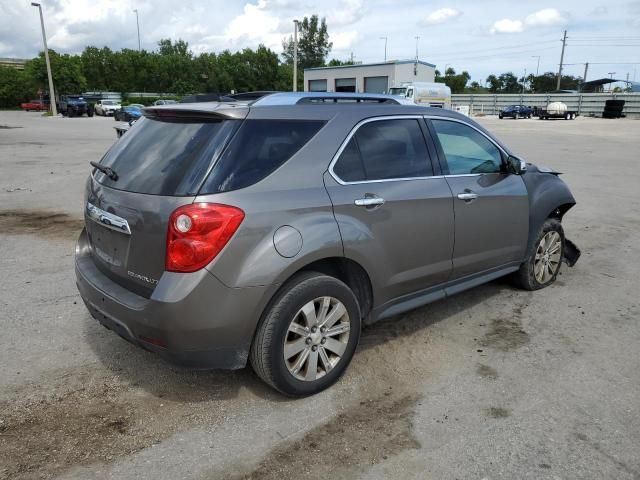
(197, 233)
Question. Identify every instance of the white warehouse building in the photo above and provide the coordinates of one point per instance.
(367, 77)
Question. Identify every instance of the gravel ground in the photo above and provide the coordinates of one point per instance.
(494, 383)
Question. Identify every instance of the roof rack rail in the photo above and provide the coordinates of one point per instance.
(301, 98)
(343, 99)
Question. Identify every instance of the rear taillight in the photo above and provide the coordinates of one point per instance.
(197, 233)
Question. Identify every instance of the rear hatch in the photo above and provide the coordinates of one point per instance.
(159, 166)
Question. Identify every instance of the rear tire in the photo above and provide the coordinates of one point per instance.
(291, 352)
(544, 258)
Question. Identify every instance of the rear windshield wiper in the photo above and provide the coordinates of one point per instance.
(109, 172)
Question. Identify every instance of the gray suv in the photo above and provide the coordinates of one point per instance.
(272, 231)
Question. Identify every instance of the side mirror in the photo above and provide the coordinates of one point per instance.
(516, 165)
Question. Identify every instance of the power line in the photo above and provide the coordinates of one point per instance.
(497, 55)
(604, 45)
(485, 50)
(606, 63)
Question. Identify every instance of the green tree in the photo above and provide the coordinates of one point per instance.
(509, 83)
(66, 71)
(313, 43)
(334, 62)
(456, 82)
(14, 87)
(494, 84)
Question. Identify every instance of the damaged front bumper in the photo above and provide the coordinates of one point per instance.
(571, 252)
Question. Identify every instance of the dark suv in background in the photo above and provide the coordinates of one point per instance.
(272, 231)
(74, 106)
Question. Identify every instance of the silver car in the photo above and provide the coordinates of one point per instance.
(271, 232)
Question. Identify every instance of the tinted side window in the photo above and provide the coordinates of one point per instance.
(259, 147)
(385, 149)
(466, 150)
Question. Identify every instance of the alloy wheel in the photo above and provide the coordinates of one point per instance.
(548, 257)
(317, 338)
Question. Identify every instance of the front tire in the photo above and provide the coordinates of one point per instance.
(544, 258)
(308, 335)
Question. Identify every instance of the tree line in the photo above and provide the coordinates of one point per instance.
(171, 68)
(174, 68)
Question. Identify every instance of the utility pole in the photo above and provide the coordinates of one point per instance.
(385, 48)
(611, 74)
(295, 55)
(52, 97)
(524, 80)
(586, 69)
(538, 66)
(417, 39)
(138, 25)
(564, 42)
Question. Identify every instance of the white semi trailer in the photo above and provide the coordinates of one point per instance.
(424, 93)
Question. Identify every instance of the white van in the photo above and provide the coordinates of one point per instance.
(433, 94)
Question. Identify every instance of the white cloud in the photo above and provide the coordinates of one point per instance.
(441, 15)
(507, 25)
(349, 12)
(256, 23)
(545, 17)
(344, 40)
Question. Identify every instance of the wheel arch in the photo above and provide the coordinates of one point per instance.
(348, 271)
(549, 197)
(344, 269)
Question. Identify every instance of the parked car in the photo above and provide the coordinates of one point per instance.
(219, 234)
(107, 107)
(128, 113)
(515, 112)
(74, 106)
(35, 105)
(164, 102)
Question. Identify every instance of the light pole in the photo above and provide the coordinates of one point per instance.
(611, 74)
(52, 98)
(385, 48)
(138, 25)
(537, 66)
(295, 55)
(417, 39)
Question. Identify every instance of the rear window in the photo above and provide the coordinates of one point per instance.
(259, 147)
(166, 156)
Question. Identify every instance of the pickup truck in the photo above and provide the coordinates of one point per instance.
(35, 105)
(74, 105)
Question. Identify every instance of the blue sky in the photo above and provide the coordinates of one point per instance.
(481, 37)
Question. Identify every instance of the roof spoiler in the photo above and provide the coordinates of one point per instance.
(190, 111)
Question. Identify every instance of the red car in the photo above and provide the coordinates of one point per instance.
(36, 105)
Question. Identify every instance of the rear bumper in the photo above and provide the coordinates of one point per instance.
(192, 320)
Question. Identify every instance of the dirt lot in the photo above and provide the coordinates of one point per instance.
(494, 383)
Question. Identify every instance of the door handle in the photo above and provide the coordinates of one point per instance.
(369, 202)
(467, 196)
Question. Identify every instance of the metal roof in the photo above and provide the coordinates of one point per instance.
(391, 62)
